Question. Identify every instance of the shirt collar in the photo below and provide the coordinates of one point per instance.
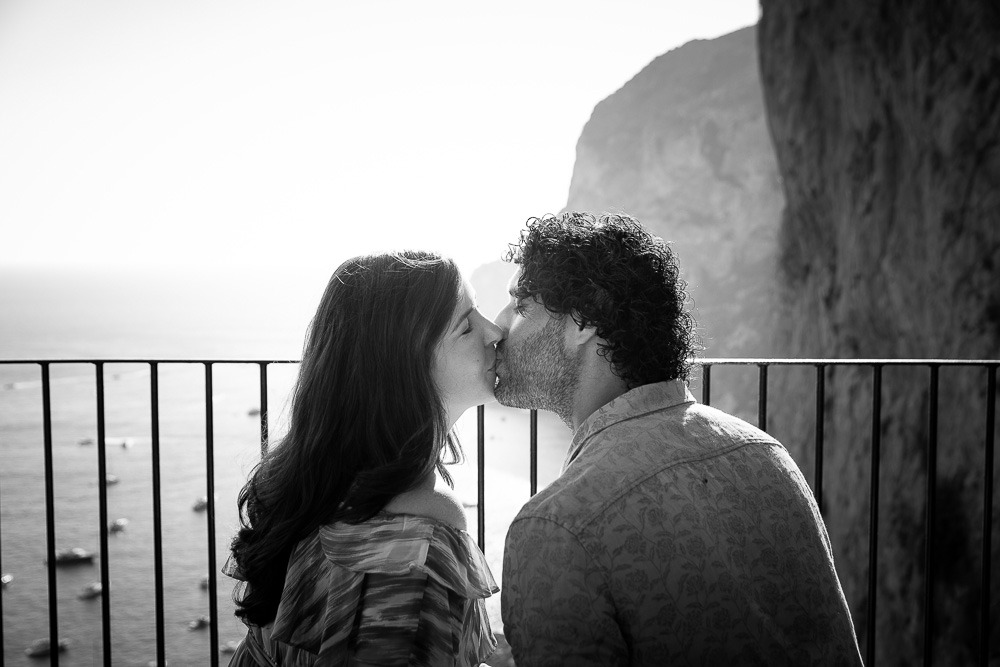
(633, 403)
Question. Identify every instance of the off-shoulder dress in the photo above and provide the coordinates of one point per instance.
(397, 589)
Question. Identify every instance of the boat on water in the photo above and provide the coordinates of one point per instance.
(199, 623)
(253, 412)
(118, 525)
(40, 648)
(110, 479)
(74, 556)
(200, 504)
(204, 583)
(124, 442)
(229, 647)
(90, 591)
(5, 579)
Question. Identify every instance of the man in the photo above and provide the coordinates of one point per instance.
(676, 534)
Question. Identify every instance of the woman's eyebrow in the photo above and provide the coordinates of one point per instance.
(462, 318)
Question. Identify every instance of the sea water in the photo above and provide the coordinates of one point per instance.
(52, 315)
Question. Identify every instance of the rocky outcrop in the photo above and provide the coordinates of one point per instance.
(885, 118)
(684, 147)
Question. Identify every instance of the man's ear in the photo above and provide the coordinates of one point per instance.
(577, 334)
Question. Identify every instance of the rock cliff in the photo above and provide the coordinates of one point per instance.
(684, 147)
(885, 118)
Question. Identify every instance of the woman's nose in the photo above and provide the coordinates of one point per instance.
(494, 334)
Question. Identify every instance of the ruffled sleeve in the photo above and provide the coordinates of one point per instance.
(394, 590)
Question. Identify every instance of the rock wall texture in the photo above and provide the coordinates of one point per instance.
(885, 118)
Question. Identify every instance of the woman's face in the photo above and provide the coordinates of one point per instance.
(464, 359)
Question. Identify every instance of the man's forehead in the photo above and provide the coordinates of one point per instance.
(512, 290)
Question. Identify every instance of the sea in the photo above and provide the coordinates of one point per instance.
(189, 315)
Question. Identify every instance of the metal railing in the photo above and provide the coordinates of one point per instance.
(820, 367)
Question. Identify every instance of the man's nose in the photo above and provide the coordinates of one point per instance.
(502, 319)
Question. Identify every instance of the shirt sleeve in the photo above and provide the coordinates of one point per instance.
(556, 605)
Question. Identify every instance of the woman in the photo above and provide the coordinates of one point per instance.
(348, 554)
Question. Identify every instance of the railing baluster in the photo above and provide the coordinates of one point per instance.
(706, 384)
(873, 509)
(533, 447)
(263, 408)
(985, 590)
(50, 515)
(931, 499)
(213, 603)
(481, 476)
(1, 572)
(820, 423)
(762, 397)
(154, 415)
(102, 498)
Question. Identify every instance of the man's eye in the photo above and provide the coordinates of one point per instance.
(519, 308)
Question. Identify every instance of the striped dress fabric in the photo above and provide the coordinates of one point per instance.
(395, 590)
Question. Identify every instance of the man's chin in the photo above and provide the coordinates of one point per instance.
(509, 397)
(507, 403)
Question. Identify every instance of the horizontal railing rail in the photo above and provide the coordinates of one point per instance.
(706, 365)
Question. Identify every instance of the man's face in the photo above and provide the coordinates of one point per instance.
(535, 369)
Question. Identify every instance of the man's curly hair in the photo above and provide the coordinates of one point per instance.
(610, 273)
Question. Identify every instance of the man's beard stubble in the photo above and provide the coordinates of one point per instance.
(539, 374)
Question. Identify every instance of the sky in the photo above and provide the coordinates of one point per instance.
(241, 134)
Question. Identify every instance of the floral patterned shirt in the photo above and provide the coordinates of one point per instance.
(676, 535)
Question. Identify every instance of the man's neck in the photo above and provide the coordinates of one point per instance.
(596, 390)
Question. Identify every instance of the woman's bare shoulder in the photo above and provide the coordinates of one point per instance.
(438, 504)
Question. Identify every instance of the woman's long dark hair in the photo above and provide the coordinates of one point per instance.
(367, 422)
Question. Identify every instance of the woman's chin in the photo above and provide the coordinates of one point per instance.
(486, 396)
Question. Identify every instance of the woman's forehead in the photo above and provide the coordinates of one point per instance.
(466, 292)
